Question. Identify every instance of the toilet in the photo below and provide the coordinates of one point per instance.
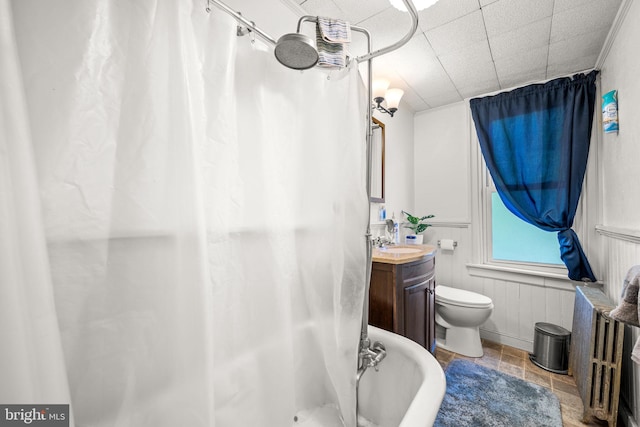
(461, 313)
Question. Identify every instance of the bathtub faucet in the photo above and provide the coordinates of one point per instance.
(371, 357)
(380, 353)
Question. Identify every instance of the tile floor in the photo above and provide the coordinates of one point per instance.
(516, 362)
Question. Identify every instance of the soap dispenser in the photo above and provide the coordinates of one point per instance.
(382, 213)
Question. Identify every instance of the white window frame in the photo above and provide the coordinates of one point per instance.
(488, 189)
(481, 214)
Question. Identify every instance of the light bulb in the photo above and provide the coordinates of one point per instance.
(393, 97)
(379, 88)
(419, 4)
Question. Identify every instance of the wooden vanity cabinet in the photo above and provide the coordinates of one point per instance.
(402, 299)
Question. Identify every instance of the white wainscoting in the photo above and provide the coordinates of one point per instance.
(621, 251)
(520, 300)
(520, 305)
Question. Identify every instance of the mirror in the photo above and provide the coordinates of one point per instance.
(377, 162)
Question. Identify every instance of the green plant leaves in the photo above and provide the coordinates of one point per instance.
(416, 223)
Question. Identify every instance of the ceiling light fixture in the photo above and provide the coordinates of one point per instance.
(419, 4)
(381, 92)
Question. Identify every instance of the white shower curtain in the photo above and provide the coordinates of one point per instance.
(192, 250)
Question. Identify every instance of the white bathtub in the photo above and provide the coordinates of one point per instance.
(405, 392)
(407, 389)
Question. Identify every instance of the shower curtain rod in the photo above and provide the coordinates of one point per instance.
(250, 24)
(369, 55)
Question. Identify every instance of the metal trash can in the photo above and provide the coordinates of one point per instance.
(551, 347)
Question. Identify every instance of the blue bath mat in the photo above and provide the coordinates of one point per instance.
(478, 396)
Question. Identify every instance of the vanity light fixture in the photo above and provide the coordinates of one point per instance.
(381, 92)
(419, 4)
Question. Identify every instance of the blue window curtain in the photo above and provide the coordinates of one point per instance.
(535, 141)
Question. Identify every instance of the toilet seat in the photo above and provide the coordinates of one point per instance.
(462, 298)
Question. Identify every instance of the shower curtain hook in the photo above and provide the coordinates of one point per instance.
(243, 31)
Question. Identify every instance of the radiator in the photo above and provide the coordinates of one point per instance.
(596, 354)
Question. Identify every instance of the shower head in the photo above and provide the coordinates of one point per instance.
(296, 51)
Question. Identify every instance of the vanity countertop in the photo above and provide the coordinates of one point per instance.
(402, 254)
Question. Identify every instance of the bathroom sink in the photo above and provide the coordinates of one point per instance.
(402, 250)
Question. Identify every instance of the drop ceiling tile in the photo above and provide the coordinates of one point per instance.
(420, 106)
(522, 79)
(418, 47)
(354, 12)
(441, 99)
(445, 11)
(387, 27)
(419, 65)
(577, 47)
(322, 8)
(592, 16)
(431, 77)
(390, 73)
(397, 82)
(434, 81)
(473, 63)
(414, 55)
(562, 5)
(457, 34)
(569, 67)
(414, 101)
(575, 54)
(522, 67)
(479, 87)
(521, 40)
(381, 66)
(507, 15)
(379, 38)
(522, 63)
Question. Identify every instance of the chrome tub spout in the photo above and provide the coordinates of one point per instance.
(371, 357)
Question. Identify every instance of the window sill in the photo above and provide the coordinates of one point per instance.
(520, 275)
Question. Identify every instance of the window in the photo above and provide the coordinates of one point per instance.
(536, 139)
(517, 244)
(515, 240)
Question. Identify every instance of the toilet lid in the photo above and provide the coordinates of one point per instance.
(461, 297)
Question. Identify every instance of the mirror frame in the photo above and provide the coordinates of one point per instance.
(377, 164)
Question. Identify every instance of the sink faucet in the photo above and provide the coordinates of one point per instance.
(381, 242)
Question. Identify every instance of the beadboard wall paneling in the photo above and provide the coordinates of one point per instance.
(622, 251)
(518, 304)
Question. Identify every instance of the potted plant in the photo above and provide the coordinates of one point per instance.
(417, 225)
